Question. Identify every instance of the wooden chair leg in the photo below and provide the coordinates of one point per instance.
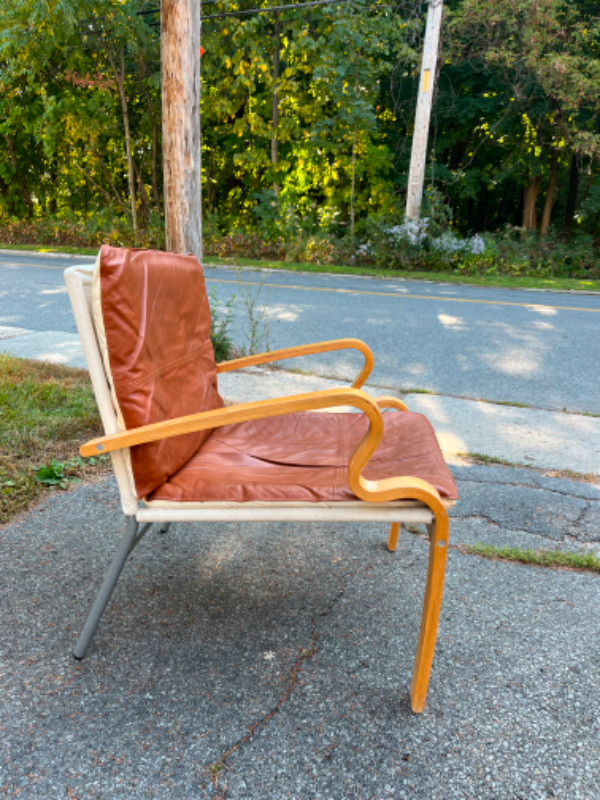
(434, 587)
(393, 537)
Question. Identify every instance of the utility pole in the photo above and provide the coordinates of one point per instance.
(180, 67)
(418, 156)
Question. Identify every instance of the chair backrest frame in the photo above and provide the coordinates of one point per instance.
(79, 281)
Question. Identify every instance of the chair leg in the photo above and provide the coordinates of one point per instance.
(434, 587)
(163, 527)
(126, 545)
(393, 537)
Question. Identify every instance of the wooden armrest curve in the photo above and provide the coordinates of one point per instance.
(391, 402)
(306, 350)
(242, 412)
(397, 488)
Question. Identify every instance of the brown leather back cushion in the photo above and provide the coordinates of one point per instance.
(157, 322)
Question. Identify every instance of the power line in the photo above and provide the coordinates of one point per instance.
(247, 11)
(267, 10)
(275, 8)
(157, 9)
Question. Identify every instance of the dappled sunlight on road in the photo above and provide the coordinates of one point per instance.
(283, 312)
(519, 352)
(547, 311)
(457, 340)
(556, 435)
(543, 326)
(378, 322)
(514, 362)
(432, 407)
(346, 366)
(60, 353)
(450, 443)
(58, 290)
(454, 323)
(547, 439)
(417, 370)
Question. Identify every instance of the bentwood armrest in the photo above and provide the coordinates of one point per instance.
(391, 402)
(305, 350)
(374, 491)
(241, 412)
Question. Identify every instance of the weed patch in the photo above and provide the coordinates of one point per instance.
(46, 412)
(540, 558)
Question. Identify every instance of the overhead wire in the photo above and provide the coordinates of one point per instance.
(270, 9)
(264, 10)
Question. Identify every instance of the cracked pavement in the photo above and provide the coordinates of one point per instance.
(272, 662)
(267, 661)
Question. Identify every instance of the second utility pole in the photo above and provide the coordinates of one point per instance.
(418, 156)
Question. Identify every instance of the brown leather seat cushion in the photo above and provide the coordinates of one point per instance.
(304, 457)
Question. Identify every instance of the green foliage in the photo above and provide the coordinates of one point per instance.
(103, 227)
(75, 77)
(255, 327)
(309, 160)
(220, 325)
(52, 474)
(522, 106)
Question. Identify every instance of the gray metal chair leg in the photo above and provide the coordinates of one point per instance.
(126, 545)
(163, 527)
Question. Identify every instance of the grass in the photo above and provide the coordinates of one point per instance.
(76, 251)
(541, 558)
(567, 474)
(482, 458)
(503, 281)
(46, 412)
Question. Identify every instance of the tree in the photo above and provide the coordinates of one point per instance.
(539, 105)
(86, 78)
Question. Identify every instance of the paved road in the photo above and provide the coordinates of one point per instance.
(536, 348)
(271, 652)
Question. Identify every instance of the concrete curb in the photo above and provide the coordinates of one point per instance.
(533, 437)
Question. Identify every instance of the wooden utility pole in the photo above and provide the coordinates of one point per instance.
(180, 58)
(418, 156)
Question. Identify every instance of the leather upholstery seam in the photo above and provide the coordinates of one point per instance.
(126, 386)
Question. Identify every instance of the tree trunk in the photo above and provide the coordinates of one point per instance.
(180, 57)
(120, 81)
(572, 196)
(352, 191)
(142, 196)
(155, 192)
(550, 195)
(211, 183)
(532, 191)
(275, 112)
